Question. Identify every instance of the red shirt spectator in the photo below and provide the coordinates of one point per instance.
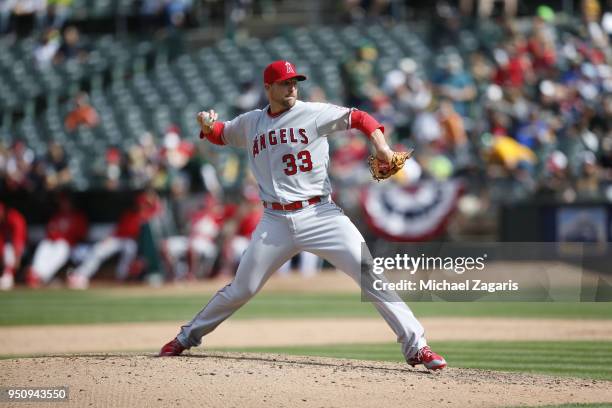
(513, 73)
(83, 114)
(129, 224)
(149, 205)
(543, 54)
(70, 225)
(205, 224)
(249, 221)
(13, 229)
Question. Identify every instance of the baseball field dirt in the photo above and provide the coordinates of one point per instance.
(113, 337)
(264, 380)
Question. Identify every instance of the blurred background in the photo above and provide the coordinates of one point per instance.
(508, 105)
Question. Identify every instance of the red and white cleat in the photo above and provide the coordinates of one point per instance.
(78, 282)
(7, 281)
(429, 359)
(32, 280)
(172, 348)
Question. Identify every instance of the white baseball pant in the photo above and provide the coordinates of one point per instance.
(49, 257)
(9, 258)
(321, 229)
(104, 250)
(178, 246)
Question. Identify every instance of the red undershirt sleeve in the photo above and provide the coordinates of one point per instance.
(366, 123)
(216, 136)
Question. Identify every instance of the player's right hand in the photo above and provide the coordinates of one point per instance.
(206, 120)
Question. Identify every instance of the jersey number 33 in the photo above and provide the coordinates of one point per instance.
(299, 161)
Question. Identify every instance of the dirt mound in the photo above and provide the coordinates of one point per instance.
(240, 379)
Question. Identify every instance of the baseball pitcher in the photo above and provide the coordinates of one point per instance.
(288, 153)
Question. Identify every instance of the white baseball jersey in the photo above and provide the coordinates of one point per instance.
(289, 153)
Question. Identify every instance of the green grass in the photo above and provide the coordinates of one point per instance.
(25, 307)
(591, 359)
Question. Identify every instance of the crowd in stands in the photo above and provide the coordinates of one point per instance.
(529, 117)
(21, 170)
(41, 15)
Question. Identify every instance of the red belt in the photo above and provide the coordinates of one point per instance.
(297, 205)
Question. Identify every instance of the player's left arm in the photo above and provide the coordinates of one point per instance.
(331, 118)
(375, 131)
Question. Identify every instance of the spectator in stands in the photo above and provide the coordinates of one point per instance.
(542, 52)
(83, 114)
(484, 8)
(122, 240)
(352, 12)
(588, 180)
(591, 15)
(481, 70)
(249, 98)
(6, 11)
(176, 152)
(149, 13)
(18, 166)
(72, 47)
(426, 127)
(146, 166)
(445, 24)
(507, 152)
(175, 12)
(554, 183)
(606, 18)
(534, 132)
(415, 94)
(456, 84)
(513, 67)
(13, 232)
(358, 76)
(58, 172)
(37, 177)
(37, 9)
(454, 135)
(4, 158)
(140, 172)
(66, 227)
(60, 11)
(114, 169)
(45, 51)
(355, 11)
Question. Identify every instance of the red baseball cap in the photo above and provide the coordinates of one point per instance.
(280, 71)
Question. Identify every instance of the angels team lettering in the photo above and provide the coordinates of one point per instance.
(278, 136)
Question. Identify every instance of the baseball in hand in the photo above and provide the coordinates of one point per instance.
(207, 120)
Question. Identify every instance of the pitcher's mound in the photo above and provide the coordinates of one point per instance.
(271, 380)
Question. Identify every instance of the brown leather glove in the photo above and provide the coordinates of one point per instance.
(382, 170)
